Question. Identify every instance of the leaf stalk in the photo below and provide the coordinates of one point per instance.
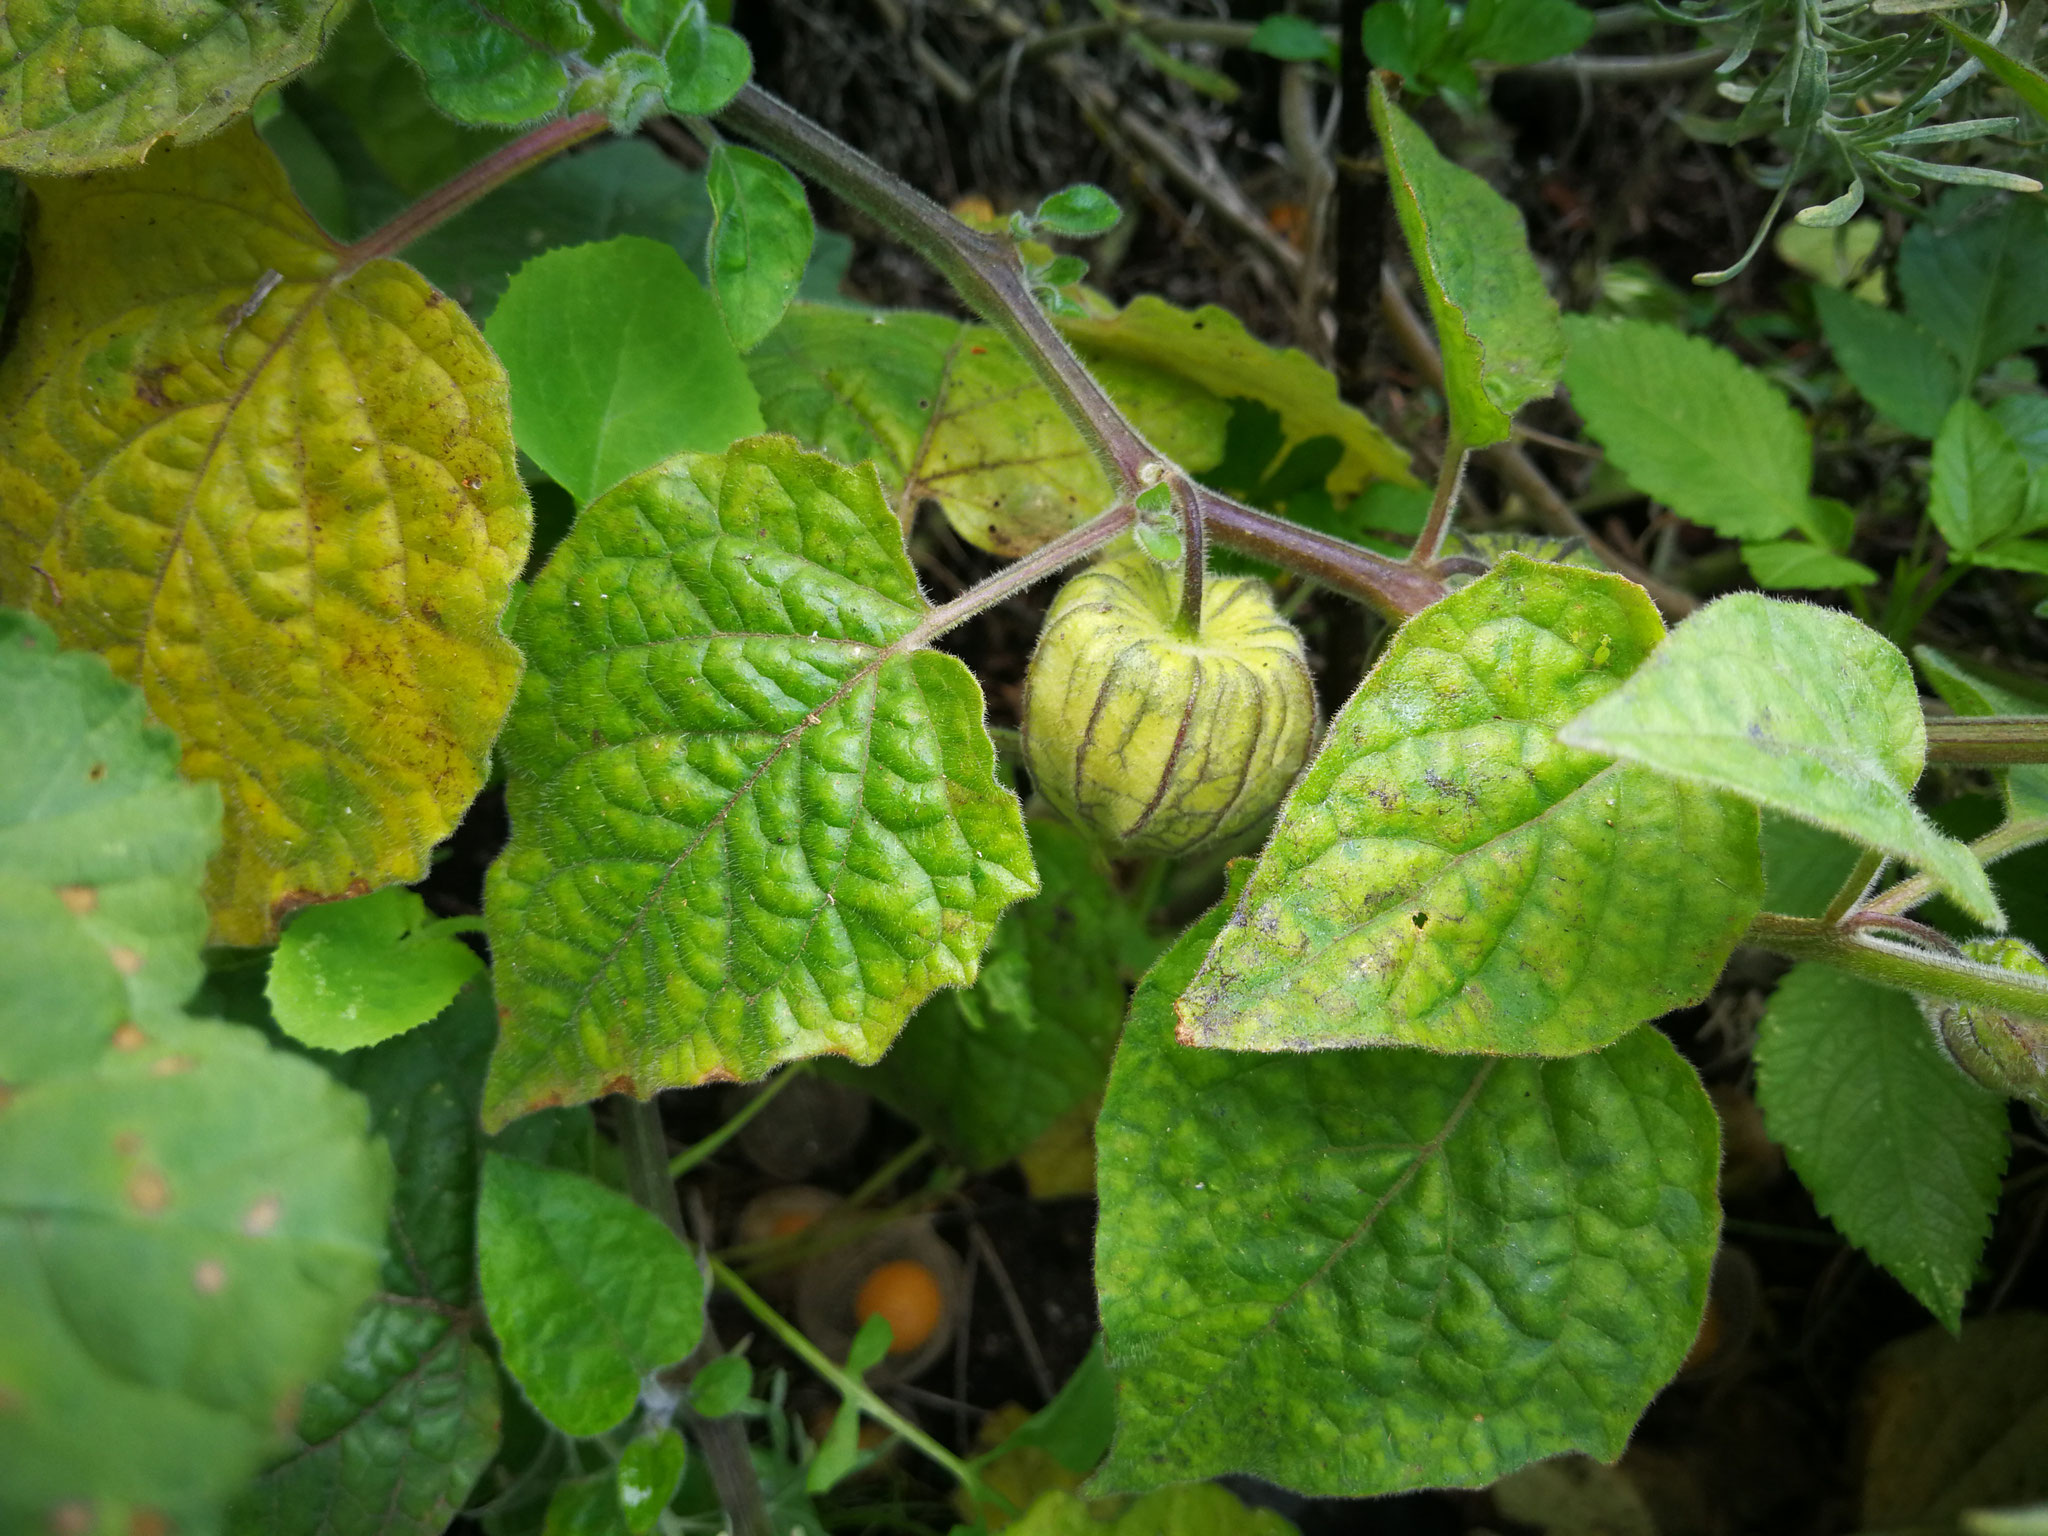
(1987, 741)
(470, 186)
(1026, 571)
(2011, 837)
(1194, 570)
(1862, 953)
(1450, 480)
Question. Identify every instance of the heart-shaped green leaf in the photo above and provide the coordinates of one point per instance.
(352, 973)
(1979, 487)
(1448, 874)
(587, 1292)
(950, 412)
(1209, 347)
(617, 360)
(649, 1471)
(102, 847)
(280, 494)
(1353, 1272)
(1798, 708)
(753, 820)
(87, 86)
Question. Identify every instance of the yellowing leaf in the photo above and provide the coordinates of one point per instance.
(277, 492)
(950, 412)
(83, 86)
(1210, 347)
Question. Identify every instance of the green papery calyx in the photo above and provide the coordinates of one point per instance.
(1158, 741)
(2006, 1052)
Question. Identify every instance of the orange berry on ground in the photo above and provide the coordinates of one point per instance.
(907, 1294)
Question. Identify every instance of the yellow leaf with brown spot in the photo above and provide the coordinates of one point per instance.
(275, 487)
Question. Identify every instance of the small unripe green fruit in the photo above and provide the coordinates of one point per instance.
(1158, 741)
(2006, 1052)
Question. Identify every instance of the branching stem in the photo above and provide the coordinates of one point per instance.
(1855, 887)
(1862, 953)
(986, 272)
(2019, 833)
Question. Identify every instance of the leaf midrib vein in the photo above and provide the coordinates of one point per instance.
(1423, 1155)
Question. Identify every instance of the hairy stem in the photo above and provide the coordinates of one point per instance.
(1987, 740)
(850, 1387)
(985, 271)
(643, 1148)
(2014, 835)
(1024, 572)
(1194, 567)
(696, 1152)
(473, 184)
(1854, 888)
(1450, 479)
(1396, 590)
(1901, 965)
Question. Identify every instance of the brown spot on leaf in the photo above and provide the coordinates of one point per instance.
(620, 1084)
(149, 384)
(128, 1036)
(292, 901)
(127, 961)
(261, 1217)
(96, 772)
(127, 1144)
(149, 1522)
(208, 1277)
(71, 1519)
(79, 900)
(148, 1191)
(171, 1066)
